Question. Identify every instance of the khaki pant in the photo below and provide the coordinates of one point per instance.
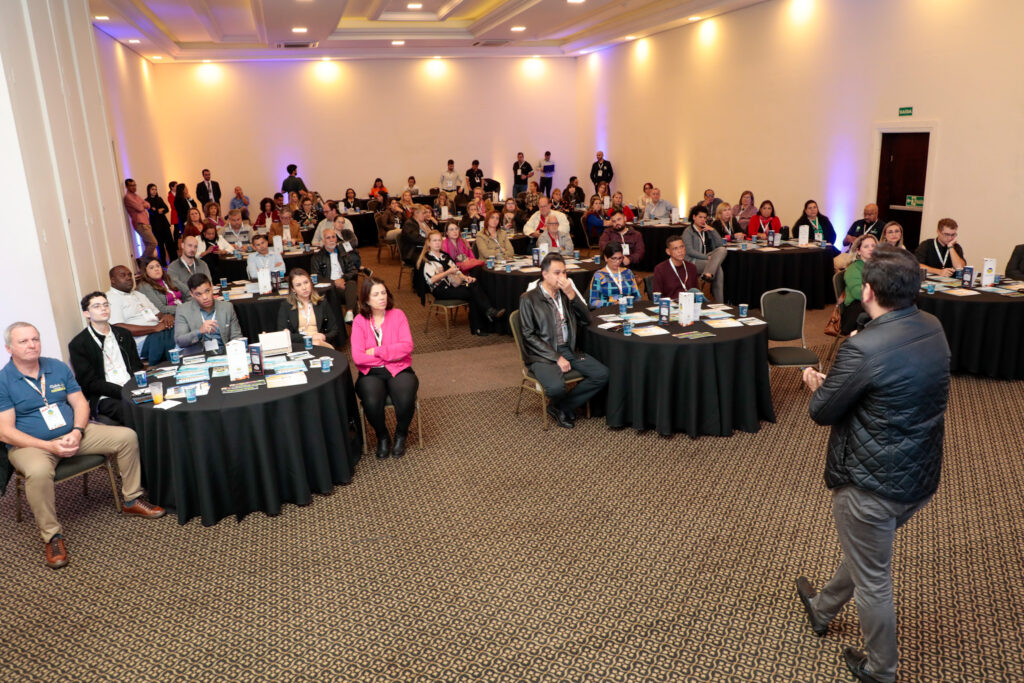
(451, 200)
(148, 239)
(37, 466)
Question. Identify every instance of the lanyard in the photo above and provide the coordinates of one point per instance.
(41, 389)
(192, 270)
(307, 311)
(616, 279)
(378, 332)
(676, 273)
(763, 224)
(100, 344)
(814, 225)
(942, 257)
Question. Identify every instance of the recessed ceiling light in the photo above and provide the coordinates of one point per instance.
(695, 18)
(299, 29)
(156, 57)
(325, 59)
(437, 56)
(133, 41)
(517, 29)
(101, 17)
(575, 2)
(207, 61)
(415, 5)
(630, 38)
(398, 42)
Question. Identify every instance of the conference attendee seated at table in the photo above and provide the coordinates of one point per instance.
(294, 202)
(676, 274)
(746, 208)
(542, 219)
(619, 205)
(132, 311)
(278, 202)
(331, 220)
(443, 200)
(103, 357)
(511, 217)
(235, 234)
(44, 417)
(415, 231)
(157, 286)
(446, 281)
(493, 241)
(194, 223)
(892, 234)
(602, 190)
(816, 222)
(764, 220)
(339, 263)
(382, 348)
(943, 254)
(210, 248)
(378, 189)
(532, 194)
(393, 218)
(853, 277)
(645, 198)
(862, 226)
(710, 202)
(549, 316)
(288, 230)
(268, 215)
(212, 211)
(204, 323)
(705, 249)
(1015, 266)
(305, 313)
(618, 231)
(558, 203)
(484, 206)
(187, 265)
(407, 204)
(573, 193)
(262, 258)
(350, 203)
(411, 186)
(593, 219)
(307, 216)
(458, 249)
(659, 209)
(725, 223)
(614, 281)
(473, 220)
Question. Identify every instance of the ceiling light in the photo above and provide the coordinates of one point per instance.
(575, 2)
(101, 17)
(437, 56)
(415, 5)
(695, 18)
(325, 59)
(156, 57)
(517, 29)
(207, 61)
(630, 38)
(398, 42)
(298, 29)
(133, 41)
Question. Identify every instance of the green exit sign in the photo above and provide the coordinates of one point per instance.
(906, 111)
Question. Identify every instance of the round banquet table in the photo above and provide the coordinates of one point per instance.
(713, 385)
(985, 332)
(504, 289)
(259, 314)
(751, 273)
(654, 243)
(233, 268)
(363, 223)
(232, 454)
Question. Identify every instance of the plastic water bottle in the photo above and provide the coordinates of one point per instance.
(627, 328)
(622, 306)
(664, 310)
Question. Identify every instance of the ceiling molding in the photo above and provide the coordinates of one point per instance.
(376, 9)
(259, 19)
(499, 16)
(146, 24)
(206, 18)
(448, 8)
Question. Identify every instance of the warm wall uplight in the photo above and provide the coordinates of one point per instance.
(207, 61)
(101, 17)
(327, 71)
(325, 59)
(133, 41)
(517, 29)
(436, 67)
(298, 29)
(209, 73)
(707, 32)
(800, 11)
(641, 50)
(533, 67)
(398, 43)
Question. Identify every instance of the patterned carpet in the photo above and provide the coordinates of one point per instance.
(504, 553)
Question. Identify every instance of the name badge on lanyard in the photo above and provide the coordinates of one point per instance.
(52, 416)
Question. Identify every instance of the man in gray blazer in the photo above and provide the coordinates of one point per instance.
(705, 249)
(204, 324)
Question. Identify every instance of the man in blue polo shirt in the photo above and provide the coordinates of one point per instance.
(45, 417)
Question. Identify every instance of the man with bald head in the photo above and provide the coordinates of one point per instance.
(601, 171)
(187, 265)
(868, 224)
(132, 311)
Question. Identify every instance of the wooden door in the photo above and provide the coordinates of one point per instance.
(901, 171)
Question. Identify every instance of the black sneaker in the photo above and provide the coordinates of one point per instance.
(855, 662)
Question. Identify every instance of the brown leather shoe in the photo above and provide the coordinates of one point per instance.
(145, 509)
(56, 553)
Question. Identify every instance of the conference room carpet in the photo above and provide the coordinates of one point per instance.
(505, 553)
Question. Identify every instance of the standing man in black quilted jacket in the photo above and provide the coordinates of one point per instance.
(885, 399)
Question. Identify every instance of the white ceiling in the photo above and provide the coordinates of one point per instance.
(223, 30)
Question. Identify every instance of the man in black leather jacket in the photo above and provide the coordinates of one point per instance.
(885, 398)
(548, 315)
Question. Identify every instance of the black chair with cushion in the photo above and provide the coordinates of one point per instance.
(492, 186)
(407, 266)
(649, 287)
(783, 309)
(529, 381)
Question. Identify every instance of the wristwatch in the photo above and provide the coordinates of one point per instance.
(81, 429)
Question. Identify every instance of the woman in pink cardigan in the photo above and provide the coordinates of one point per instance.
(381, 346)
(459, 249)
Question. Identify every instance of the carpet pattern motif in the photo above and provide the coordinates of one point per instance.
(505, 553)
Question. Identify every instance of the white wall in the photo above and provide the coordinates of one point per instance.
(784, 98)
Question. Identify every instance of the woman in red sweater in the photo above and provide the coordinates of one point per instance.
(764, 220)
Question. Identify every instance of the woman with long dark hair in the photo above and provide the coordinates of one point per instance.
(158, 220)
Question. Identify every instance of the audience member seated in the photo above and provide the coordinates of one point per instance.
(331, 221)
(279, 202)
(378, 188)
(194, 223)
(710, 202)
(132, 311)
(676, 274)
(262, 258)
(705, 249)
(658, 209)
(862, 226)
(472, 220)
(407, 204)
(725, 223)
(307, 216)
(268, 215)
(339, 263)
(157, 286)
(210, 246)
(446, 281)
(187, 265)
(549, 316)
(382, 348)
(493, 241)
(204, 323)
(551, 228)
(103, 357)
(305, 313)
(593, 219)
(294, 203)
(288, 230)
(532, 194)
(603, 191)
(235, 234)
(393, 217)
(559, 203)
(764, 221)
(411, 186)
(618, 231)
(212, 211)
(349, 203)
(512, 218)
(892, 234)
(1015, 266)
(415, 231)
(573, 193)
(614, 281)
(746, 209)
(45, 417)
(943, 254)
(619, 205)
(853, 277)
(817, 223)
(443, 201)
(483, 206)
(645, 198)
(458, 249)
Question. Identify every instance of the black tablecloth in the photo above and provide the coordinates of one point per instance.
(234, 268)
(504, 289)
(259, 314)
(654, 243)
(253, 451)
(710, 386)
(751, 273)
(985, 332)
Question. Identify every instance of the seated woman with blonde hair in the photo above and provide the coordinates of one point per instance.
(305, 313)
(853, 277)
(446, 281)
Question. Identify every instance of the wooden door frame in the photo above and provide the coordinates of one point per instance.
(929, 126)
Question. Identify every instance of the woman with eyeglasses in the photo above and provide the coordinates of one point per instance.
(612, 282)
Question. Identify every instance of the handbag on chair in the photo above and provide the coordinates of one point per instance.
(834, 325)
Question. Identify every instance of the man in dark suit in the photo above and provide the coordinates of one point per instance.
(103, 357)
(208, 190)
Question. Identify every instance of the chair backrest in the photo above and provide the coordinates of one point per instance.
(372, 205)
(517, 335)
(402, 246)
(649, 286)
(839, 284)
(491, 185)
(783, 309)
(434, 191)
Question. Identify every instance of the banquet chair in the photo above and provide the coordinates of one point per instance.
(784, 309)
(389, 404)
(382, 237)
(529, 380)
(649, 286)
(406, 266)
(373, 205)
(447, 307)
(839, 288)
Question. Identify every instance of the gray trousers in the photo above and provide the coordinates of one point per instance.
(867, 526)
(712, 265)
